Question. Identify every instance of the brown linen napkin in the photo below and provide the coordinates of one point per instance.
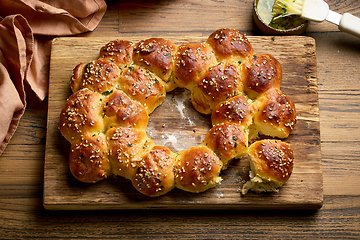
(26, 30)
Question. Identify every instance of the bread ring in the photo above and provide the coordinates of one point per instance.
(105, 118)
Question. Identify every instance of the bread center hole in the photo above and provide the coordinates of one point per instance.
(176, 124)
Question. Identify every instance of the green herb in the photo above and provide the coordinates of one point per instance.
(106, 93)
(235, 140)
(286, 22)
(176, 155)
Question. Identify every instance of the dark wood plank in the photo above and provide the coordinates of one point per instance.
(197, 16)
(338, 220)
(303, 190)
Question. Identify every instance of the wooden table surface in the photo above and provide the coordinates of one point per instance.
(22, 214)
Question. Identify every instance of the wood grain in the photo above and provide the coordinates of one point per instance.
(303, 190)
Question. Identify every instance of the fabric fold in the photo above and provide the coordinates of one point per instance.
(15, 58)
(27, 28)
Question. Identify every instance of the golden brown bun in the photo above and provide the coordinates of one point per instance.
(260, 73)
(154, 174)
(191, 62)
(230, 44)
(142, 86)
(120, 111)
(234, 110)
(118, 51)
(156, 55)
(81, 115)
(88, 159)
(219, 83)
(197, 169)
(271, 163)
(126, 148)
(274, 114)
(228, 141)
(100, 75)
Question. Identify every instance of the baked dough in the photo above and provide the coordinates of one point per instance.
(271, 163)
(105, 118)
(197, 169)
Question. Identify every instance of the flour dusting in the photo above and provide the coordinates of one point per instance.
(180, 105)
(169, 139)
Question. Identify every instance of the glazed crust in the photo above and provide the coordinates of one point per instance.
(88, 159)
(274, 114)
(197, 169)
(118, 51)
(260, 73)
(157, 56)
(218, 84)
(142, 86)
(230, 43)
(228, 141)
(234, 110)
(81, 115)
(191, 62)
(154, 174)
(126, 148)
(120, 111)
(273, 160)
(100, 75)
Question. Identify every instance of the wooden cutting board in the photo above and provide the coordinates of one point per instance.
(183, 128)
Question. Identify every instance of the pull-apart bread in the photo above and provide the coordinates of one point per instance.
(105, 118)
